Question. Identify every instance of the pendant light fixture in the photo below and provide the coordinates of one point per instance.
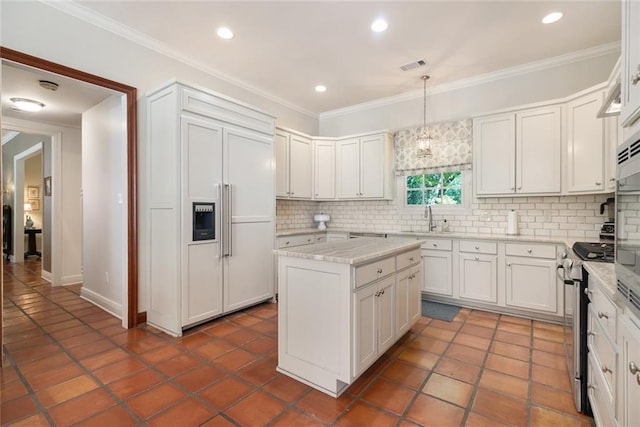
(424, 140)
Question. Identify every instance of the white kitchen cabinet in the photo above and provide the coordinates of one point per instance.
(585, 144)
(437, 266)
(630, 79)
(408, 299)
(477, 274)
(294, 165)
(363, 167)
(613, 139)
(628, 373)
(374, 322)
(530, 278)
(197, 157)
(519, 153)
(324, 170)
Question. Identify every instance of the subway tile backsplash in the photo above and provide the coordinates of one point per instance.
(552, 216)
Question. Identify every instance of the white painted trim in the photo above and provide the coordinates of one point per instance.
(70, 280)
(46, 275)
(556, 61)
(9, 136)
(18, 199)
(88, 15)
(106, 304)
(464, 209)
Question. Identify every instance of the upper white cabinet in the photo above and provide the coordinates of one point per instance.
(585, 144)
(630, 79)
(293, 165)
(324, 170)
(363, 166)
(518, 153)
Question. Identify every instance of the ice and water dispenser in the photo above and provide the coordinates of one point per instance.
(204, 220)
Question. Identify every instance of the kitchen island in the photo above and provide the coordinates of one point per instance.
(342, 304)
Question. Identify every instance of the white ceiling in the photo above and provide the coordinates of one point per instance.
(285, 48)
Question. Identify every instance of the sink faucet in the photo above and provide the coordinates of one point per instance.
(429, 216)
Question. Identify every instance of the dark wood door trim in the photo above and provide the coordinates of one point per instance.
(132, 160)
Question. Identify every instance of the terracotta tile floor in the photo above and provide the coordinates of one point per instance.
(69, 363)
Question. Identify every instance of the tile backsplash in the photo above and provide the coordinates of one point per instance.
(544, 216)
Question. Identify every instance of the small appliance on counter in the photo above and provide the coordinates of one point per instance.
(608, 229)
(321, 218)
(588, 251)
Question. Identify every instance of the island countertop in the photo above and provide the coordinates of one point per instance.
(351, 251)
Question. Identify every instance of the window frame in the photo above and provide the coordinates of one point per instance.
(462, 209)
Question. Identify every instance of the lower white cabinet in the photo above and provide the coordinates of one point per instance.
(477, 274)
(439, 279)
(408, 299)
(374, 323)
(629, 370)
(531, 283)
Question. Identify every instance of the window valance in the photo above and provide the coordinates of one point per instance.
(450, 148)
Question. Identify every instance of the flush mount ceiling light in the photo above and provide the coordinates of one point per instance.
(320, 88)
(46, 84)
(552, 17)
(379, 25)
(424, 140)
(24, 104)
(225, 33)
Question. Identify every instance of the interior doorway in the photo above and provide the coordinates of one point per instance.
(130, 93)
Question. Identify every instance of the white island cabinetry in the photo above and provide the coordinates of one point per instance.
(342, 304)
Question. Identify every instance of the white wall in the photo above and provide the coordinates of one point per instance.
(537, 86)
(44, 31)
(104, 205)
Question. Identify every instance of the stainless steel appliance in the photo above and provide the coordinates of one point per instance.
(608, 229)
(628, 218)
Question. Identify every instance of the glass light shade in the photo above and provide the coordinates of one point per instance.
(24, 104)
(424, 144)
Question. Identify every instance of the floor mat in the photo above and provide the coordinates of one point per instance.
(440, 311)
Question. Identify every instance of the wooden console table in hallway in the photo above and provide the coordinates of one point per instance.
(31, 243)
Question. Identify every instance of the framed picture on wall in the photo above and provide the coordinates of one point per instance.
(35, 204)
(33, 192)
(47, 185)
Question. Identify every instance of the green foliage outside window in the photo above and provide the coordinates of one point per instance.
(434, 189)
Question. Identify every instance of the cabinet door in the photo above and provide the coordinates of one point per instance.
(494, 154)
(348, 164)
(324, 181)
(538, 150)
(628, 381)
(365, 312)
(531, 284)
(415, 295)
(249, 266)
(613, 136)
(386, 310)
(478, 280)
(300, 167)
(630, 62)
(585, 144)
(403, 298)
(282, 164)
(437, 271)
(372, 173)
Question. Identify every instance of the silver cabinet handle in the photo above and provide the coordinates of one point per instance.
(588, 292)
(638, 378)
(411, 259)
(435, 245)
(377, 294)
(591, 333)
(633, 368)
(612, 179)
(308, 240)
(635, 77)
(512, 188)
(286, 243)
(477, 258)
(529, 251)
(379, 271)
(520, 188)
(598, 183)
(508, 264)
(382, 292)
(227, 237)
(591, 386)
(605, 369)
(602, 315)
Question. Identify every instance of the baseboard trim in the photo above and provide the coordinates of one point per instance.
(106, 304)
(71, 280)
(141, 318)
(46, 275)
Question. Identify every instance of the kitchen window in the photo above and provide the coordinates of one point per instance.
(446, 192)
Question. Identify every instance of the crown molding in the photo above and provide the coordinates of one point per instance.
(81, 12)
(543, 64)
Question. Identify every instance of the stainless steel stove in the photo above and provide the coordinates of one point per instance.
(590, 251)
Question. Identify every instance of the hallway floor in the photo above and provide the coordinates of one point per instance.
(70, 363)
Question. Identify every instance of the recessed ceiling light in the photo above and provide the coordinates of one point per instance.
(225, 33)
(552, 17)
(321, 88)
(24, 104)
(379, 25)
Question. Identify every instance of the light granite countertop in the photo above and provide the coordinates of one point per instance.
(605, 273)
(351, 251)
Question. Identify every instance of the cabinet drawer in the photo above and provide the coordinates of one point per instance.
(604, 310)
(597, 392)
(529, 250)
(408, 258)
(291, 241)
(438, 244)
(605, 355)
(480, 247)
(374, 271)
